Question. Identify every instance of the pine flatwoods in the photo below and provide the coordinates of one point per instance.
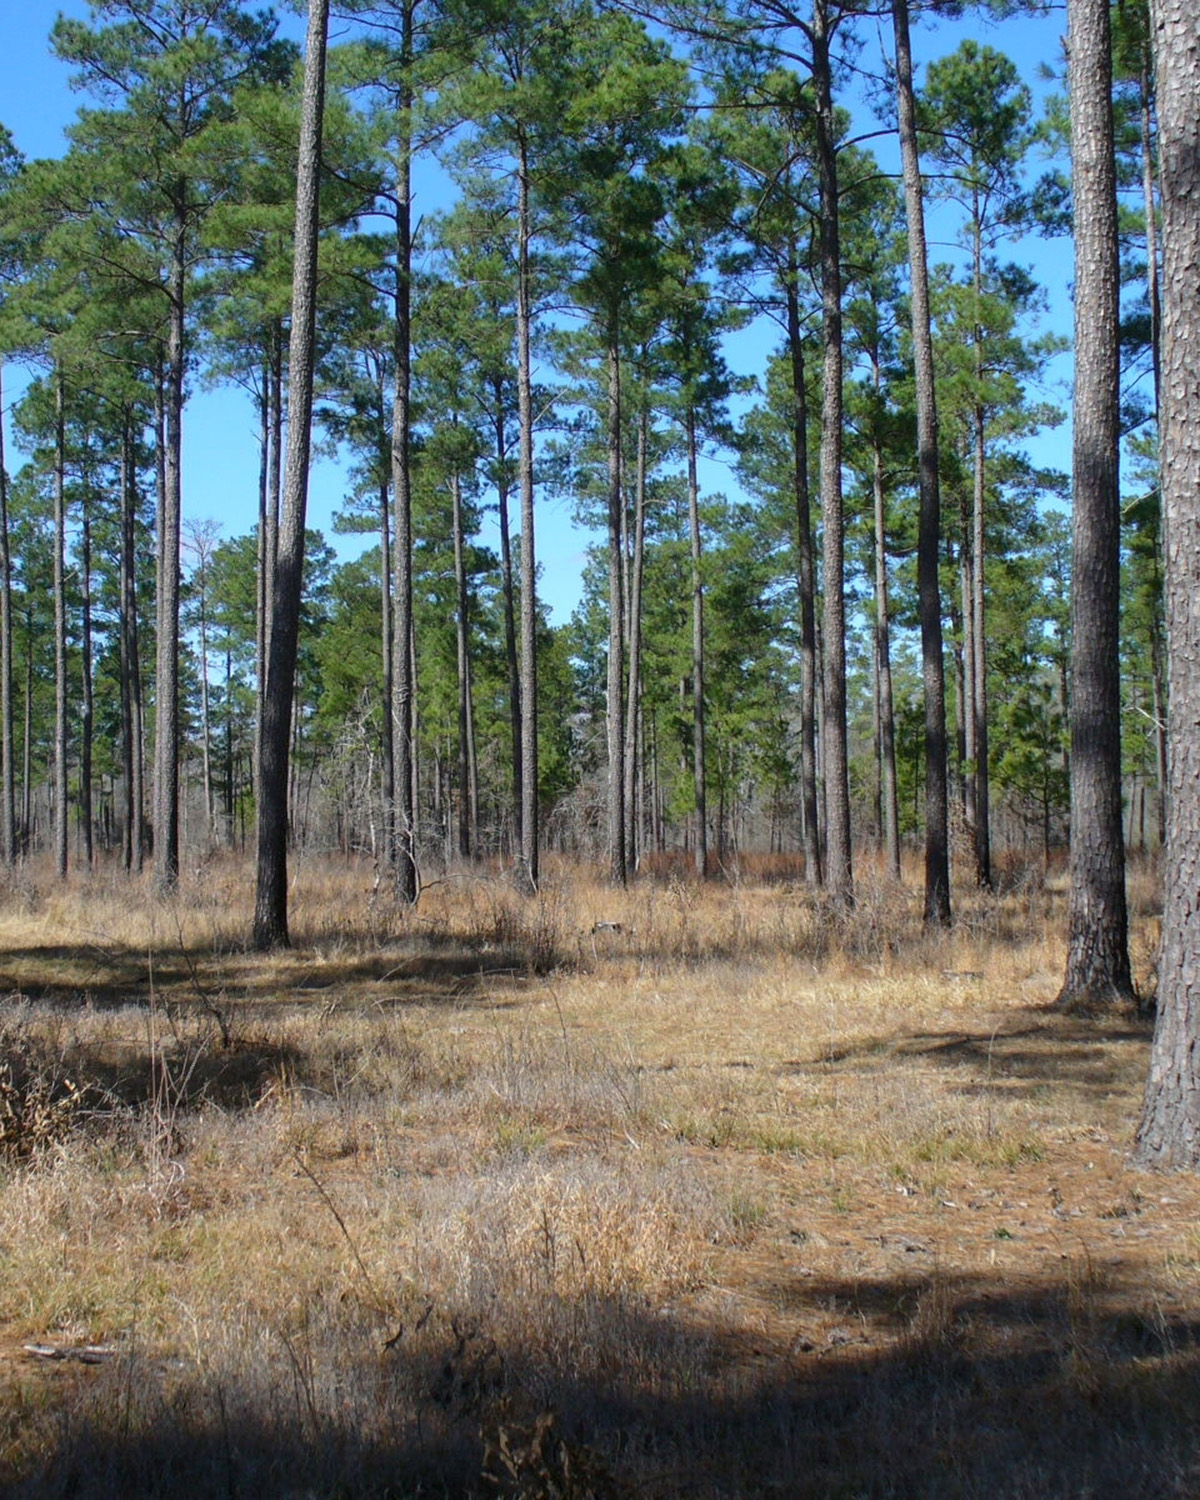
(654, 286)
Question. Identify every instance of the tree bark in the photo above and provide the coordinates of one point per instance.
(806, 583)
(87, 714)
(467, 794)
(699, 773)
(508, 601)
(633, 840)
(1169, 1133)
(403, 677)
(60, 636)
(838, 860)
(1097, 970)
(8, 829)
(166, 671)
(888, 795)
(937, 812)
(617, 867)
(270, 911)
(529, 702)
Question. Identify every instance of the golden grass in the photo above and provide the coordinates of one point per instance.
(681, 1190)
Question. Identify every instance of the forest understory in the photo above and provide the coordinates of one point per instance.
(681, 1190)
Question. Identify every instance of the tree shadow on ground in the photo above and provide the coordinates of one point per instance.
(951, 1388)
(116, 978)
(1090, 1057)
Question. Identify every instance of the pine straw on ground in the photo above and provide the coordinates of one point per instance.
(686, 1191)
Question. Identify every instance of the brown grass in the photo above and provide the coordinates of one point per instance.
(689, 1190)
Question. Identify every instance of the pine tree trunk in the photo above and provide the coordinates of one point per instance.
(1097, 970)
(8, 830)
(60, 637)
(634, 686)
(387, 749)
(883, 650)
(699, 773)
(839, 874)
(403, 682)
(466, 827)
(87, 715)
(508, 602)
(166, 672)
(618, 870)
(270, 909)
(132, 737)
(806, 582)
(1169, 1133)
(979, 707)
(529, 702)
(937, 810)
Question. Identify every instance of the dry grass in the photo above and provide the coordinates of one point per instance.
(680, 1191)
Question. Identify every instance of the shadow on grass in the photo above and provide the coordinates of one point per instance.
(1091, 1057)
(67, 977)
(945, 1387)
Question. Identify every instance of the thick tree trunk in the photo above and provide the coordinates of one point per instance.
(60, 637)
(937, 818)
(529, 701)
(270, 909)
(1097, 970)
(699, 772)
(838, 866)
(806, 583)
(1169, 1133)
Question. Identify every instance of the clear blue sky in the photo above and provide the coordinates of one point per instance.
(221, 450)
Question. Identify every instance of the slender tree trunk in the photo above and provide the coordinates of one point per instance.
(508, 599)
(132, 750)
(937, 810)
(27, 740)
(806, 581)
(166, 673)
(838, 867)
(979, 705)
(633, 696)
(403, 679)
(387, 749)
(1097, 970)
(60, 636)
(210, 811)
(883, 653)
(8, 830)
(87, 715)
(1169, 1133)
(529, 702)
(699, 772)
(965, 667)
(618, 870)
(466, 826)
(270, 910)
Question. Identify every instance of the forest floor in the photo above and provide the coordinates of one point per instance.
(681, 1191)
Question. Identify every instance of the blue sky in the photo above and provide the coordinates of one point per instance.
(220, 441)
